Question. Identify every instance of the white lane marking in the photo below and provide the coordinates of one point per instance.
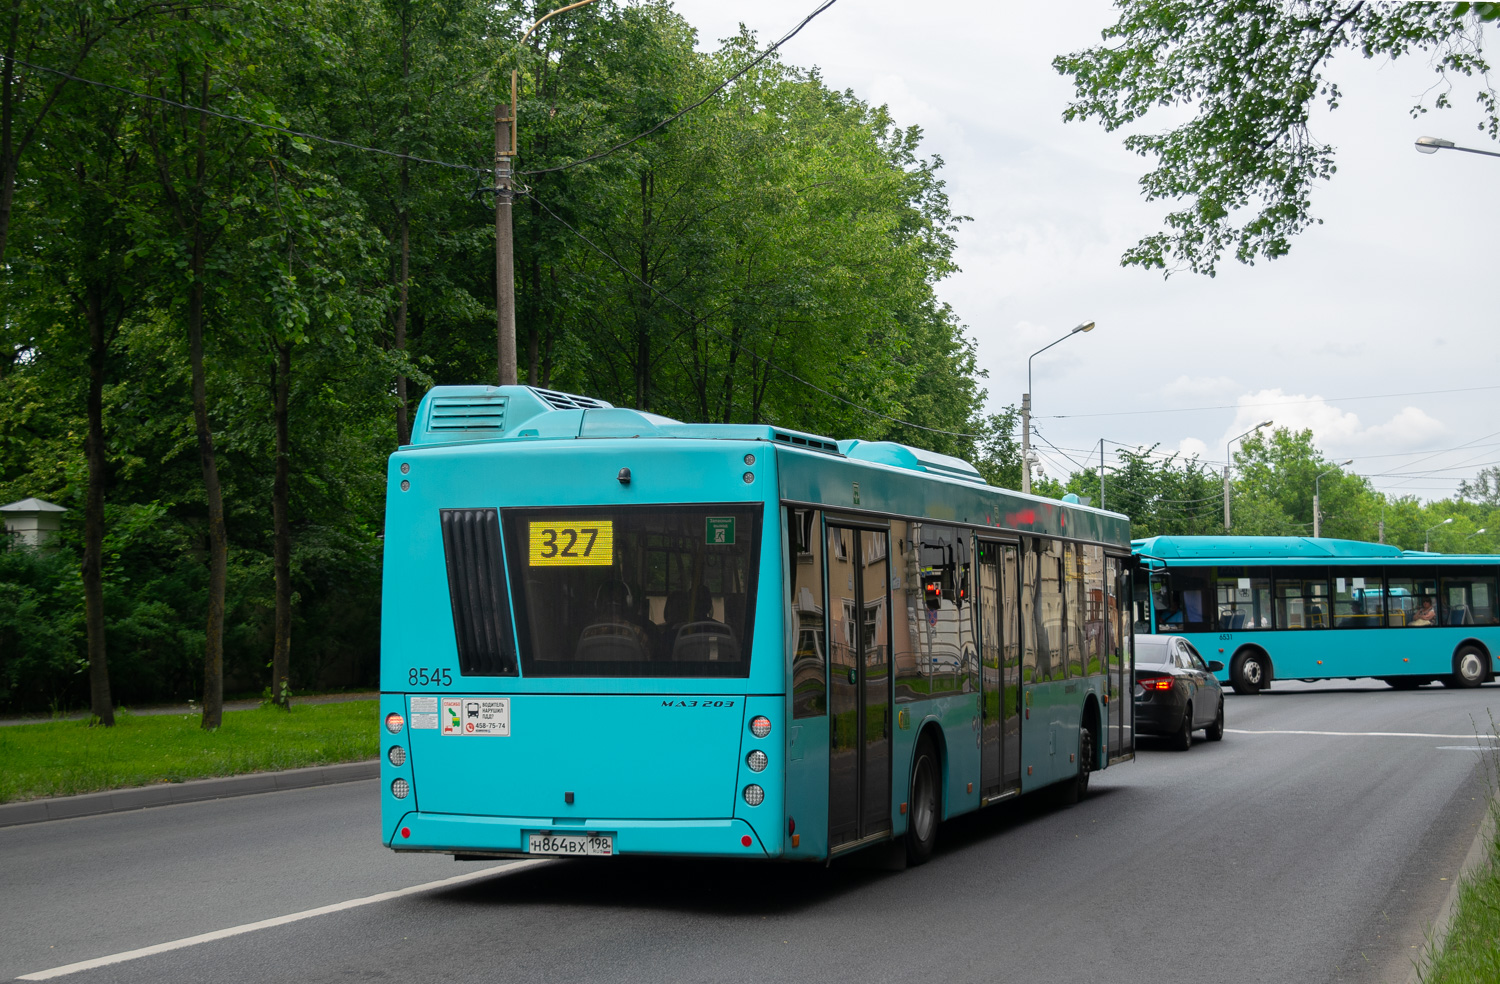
(1362, 734)
(1464, 748)
(219, 934)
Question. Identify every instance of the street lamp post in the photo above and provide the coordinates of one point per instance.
(1427, 537)
(1431, 145)
(1317, 503)
(1026, 408)
(1473, 535)
(1228, 462)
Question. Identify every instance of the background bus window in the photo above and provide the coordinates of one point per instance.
(805, 575)
(1244, 598)
(1468, 597)
(1302, 600)
(1051, 656)
(1358, 598)
(1411, 599)
(1184, 600)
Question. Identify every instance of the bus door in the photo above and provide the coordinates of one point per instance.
(1000, 675)
(859, 684)
(1123, 618)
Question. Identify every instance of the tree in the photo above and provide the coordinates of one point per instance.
(1252, 70)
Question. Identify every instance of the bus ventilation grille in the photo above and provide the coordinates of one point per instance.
(567, 401)
(477, 588)
(797, 440)
(467, 413)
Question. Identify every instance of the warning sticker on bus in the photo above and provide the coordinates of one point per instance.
(476, 716)
(572, 543)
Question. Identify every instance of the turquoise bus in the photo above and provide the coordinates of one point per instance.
(1306, 608)
(608, 633)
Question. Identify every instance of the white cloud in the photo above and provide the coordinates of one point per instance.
(1337, 432)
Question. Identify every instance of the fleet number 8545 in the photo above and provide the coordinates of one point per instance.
(423, 677)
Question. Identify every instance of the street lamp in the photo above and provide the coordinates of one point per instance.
(1026, 408)
(1317, 505)
(1473, 535)
(1427, 537)
(1228, 461)
(1431, 145)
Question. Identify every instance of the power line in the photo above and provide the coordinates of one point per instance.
(750, 352)
(1249, 406)
(247, 121)
(681, 113)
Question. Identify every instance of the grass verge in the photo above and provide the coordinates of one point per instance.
(61, 758)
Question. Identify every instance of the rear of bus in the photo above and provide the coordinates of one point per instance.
(574, 597)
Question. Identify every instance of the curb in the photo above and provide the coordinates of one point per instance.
(1478, 855)
(196, 791)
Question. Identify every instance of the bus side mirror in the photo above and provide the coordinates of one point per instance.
(1214, 666)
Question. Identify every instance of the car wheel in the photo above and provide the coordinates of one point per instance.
(1215, 731)
(1248, 673)
(921, 826)
(1183, 740)
(1405, 682)
(1468, 667)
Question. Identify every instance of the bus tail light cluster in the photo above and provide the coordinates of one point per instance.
(397, 756)
(754, 795)
(1156, 682)
(757, 761)
(394, 723)
(400, 789)
(760, 726)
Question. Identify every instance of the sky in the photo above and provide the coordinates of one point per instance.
(1377, 331)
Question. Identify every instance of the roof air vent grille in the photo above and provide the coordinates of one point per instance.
(468, 413)
(567, 401)
(813, 443)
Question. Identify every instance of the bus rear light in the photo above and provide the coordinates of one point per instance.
(757, 761)
(400, 788)
(394, 723)
(1156, 683)
(760, 726)
(754, 795)
(397, 755)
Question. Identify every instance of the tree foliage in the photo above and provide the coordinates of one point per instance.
(1251, 73)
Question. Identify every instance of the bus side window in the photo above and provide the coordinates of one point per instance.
(805, 578)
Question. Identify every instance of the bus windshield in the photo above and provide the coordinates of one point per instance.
(635, 592)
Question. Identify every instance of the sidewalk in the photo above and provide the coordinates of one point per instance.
(196, 791)
(229, 705)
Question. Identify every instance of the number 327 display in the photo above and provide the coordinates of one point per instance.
(572, 544)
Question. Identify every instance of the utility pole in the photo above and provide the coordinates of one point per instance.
(1026, 443)
(1101, 473)
(505, 254)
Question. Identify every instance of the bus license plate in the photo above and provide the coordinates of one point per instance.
(572, 845)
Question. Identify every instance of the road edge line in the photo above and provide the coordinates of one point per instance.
(192, 791)
(219, 934)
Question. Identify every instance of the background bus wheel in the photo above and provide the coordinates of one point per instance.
(1247, 674)
(1468, 667)
(1215, 731)
(921, 826)
(1183, 740)
(1405, 682)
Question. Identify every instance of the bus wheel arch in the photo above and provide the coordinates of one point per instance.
(1250, 670)
(925, 794)
(1077, 788)
(1472, 664)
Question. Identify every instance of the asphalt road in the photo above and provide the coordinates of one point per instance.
(1266, 857)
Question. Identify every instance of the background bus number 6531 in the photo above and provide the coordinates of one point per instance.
(423, 677)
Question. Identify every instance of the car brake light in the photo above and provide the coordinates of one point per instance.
(1157, 683)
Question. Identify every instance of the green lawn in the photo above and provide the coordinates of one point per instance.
(1472, 950)
(59, 758)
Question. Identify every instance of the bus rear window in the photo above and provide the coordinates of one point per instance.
(641, 592)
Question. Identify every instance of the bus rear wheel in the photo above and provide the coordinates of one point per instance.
(1405, 682)
(1468, 667)
(1249, 672)
(921, 824)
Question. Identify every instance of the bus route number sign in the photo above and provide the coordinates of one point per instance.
(720, 531)
(572, 543)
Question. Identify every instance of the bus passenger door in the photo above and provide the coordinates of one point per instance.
(859, 703)
(1000, 730)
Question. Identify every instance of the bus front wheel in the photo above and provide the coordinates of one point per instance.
(921, 826)
(1249, 672)
(1468, 667)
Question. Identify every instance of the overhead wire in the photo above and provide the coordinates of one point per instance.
(247, 121)
(688, 109)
